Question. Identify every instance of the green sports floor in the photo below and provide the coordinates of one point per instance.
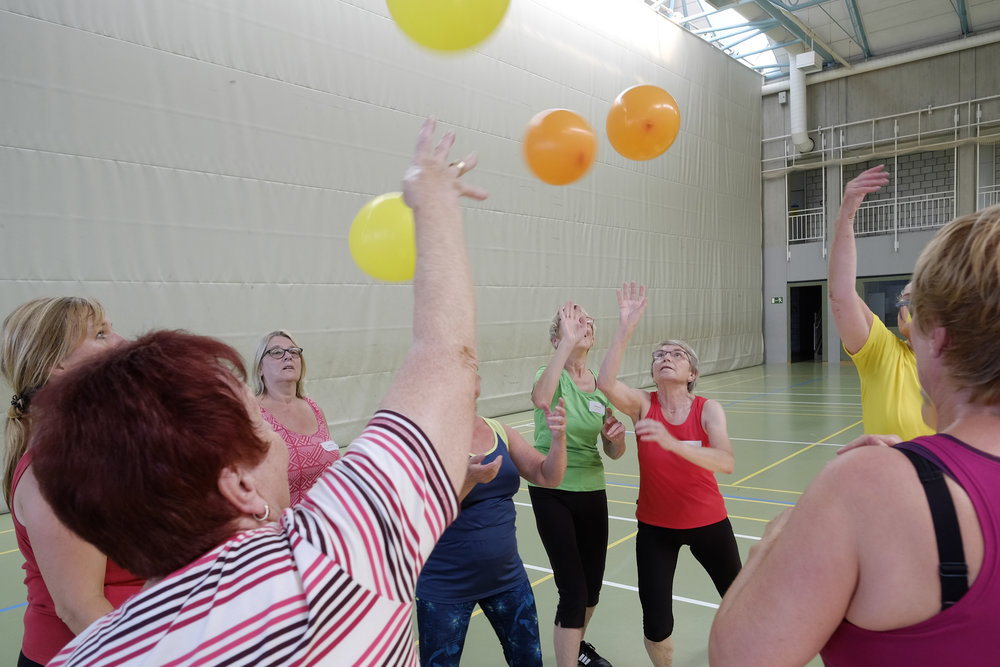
(785, 422)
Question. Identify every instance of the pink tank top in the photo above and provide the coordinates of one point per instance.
(44, 633)
(308, 455)
(673, 492)
(964, 634)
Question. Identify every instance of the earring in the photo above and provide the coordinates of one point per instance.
(267, 513)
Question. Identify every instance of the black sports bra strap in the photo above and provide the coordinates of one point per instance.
(953, 569)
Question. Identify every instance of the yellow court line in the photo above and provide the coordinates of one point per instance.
(4, 532)
(760, 488)
(748, 518)
(806, 448)
(9, 551)
(754, 500)
(620, 474)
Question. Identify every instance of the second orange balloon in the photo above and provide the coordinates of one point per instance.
(559, 146)
(643, 122)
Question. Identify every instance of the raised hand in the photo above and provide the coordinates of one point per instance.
(864, 183)
(482, 474)
(613, 429)
(651, 429)
(631, 303)
(556, 419)
(572, 322)
(430, 176)
(870, 440)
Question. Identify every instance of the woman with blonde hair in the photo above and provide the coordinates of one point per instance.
(892, 554)
(70, 583)
(278, 382)
(572, 518)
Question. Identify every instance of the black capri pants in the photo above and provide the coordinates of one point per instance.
(656, 549)
(573, 526)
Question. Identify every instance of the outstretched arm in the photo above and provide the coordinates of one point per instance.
(633, 402)
(543, 470)
(435, 387)
(809, 548)
(572, 327)
(717, 457)
(850, 313)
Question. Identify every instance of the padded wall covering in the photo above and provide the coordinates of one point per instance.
(197, 163)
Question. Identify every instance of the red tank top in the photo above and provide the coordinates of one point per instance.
(44, 633)
(673, 492)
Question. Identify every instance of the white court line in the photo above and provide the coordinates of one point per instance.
(789, 442)
(528, 427)
(785, 393)
(632, 519)
(626, 587)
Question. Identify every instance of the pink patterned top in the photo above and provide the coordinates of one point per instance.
(308, 455)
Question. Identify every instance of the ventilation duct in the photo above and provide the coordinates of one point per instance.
(798, 65)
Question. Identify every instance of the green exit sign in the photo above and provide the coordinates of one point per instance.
(777, 299)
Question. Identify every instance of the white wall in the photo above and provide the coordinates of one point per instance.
(197, 164)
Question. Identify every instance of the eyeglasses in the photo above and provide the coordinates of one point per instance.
(659, 355)
(901, 303)
(279, 352)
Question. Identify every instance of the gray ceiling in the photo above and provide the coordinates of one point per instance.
(846, 32)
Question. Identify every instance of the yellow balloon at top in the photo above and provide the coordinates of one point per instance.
(448, 25)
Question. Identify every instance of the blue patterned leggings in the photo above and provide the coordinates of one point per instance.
(443, 625)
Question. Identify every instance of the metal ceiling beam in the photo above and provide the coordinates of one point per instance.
(963, 16)
(800, 30)
(860, 36)
(772, 47)
(738, 28)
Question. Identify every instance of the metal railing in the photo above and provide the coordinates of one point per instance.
(806, 225)
(905, 214)
(888, 216)
(931, 128)
(988, 196)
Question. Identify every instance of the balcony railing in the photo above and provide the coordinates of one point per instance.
(988, 196)
(888, 216)
(806, 225)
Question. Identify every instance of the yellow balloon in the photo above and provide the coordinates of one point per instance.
(382, 240)
(448, 25)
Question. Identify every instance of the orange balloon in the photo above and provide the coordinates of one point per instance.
(559, 146)
(643, 122)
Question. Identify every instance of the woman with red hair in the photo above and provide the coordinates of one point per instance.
(158, 454)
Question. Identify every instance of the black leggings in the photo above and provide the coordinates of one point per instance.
(573, 526)
(25, 662)
(656, 552)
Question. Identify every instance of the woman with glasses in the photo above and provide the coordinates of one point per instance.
(572, 519)
(892, 554)
(682, 443)
(279, 376)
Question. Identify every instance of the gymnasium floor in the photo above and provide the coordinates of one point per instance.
(785, 422)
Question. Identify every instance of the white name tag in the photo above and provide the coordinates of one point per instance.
(692, 443)
(597, 407)
(329, 445)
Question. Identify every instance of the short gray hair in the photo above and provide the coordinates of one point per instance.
(689, 353)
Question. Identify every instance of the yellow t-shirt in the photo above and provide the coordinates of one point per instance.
(890, 390)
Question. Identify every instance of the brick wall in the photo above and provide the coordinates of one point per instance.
(930, 172)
